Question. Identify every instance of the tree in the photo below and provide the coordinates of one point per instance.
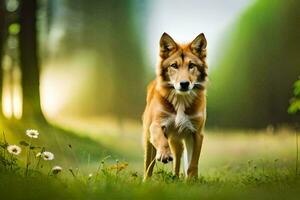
(104, 28)
(29, 60)
(251, 86)
(2, 36)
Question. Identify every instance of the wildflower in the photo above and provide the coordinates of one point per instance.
(119, 166)
(39, 154)
(56, 169)
(46, 155)
(32, 133)
(14, 149)
(90, 175)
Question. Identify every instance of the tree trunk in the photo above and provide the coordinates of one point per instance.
(2, 32)
(29, 60)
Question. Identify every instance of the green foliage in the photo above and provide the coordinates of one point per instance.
(250, 85)
(297, 88)
(295, 102)
(14, 29)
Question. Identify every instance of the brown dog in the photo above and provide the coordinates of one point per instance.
(175, 113)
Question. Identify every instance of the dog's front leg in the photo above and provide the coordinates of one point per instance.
(177, 149)
(149, 161)
(160, 142)
(193, 166)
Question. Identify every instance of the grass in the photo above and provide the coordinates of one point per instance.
(242, 184)
(233, 164)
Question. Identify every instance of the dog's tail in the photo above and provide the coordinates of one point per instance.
(187, 154)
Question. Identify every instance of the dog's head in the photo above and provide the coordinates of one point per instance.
(182, 67)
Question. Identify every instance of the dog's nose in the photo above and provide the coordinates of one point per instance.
(184, 85)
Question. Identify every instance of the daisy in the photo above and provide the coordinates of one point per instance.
(14, 149)
(56, 169)
(32, 133)
(46, 155)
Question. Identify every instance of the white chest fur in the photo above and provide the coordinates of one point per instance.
(180, 120)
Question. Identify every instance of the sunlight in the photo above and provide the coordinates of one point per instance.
(6, 92)
(12, 90)
(12, 101)
(62, 81)
(17, 94)
(7, 102)
(17, 101)
(58, 87)
(51, 95)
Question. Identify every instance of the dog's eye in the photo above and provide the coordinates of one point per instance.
(192, 65)
(174, 65)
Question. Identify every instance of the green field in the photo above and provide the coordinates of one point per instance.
(109, 165)
(77, 72)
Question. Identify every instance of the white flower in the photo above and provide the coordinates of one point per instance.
(56, 169)
(46, 155)
(14, 149)
(32, 133)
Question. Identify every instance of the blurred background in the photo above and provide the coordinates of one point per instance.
(83, 66)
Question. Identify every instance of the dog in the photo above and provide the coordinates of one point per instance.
(175, 113)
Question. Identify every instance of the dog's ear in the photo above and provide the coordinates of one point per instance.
(198, 46)
(167, 46)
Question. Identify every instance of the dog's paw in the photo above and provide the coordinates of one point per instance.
(164, 155)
